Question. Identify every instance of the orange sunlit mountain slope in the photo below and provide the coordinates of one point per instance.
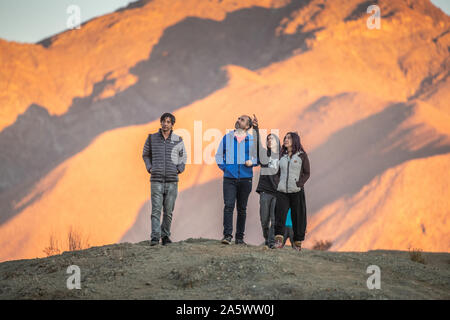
(400, 212)
(39, 74)
(368, 105)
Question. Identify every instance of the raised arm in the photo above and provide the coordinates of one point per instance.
(260, 151)
(253, 152)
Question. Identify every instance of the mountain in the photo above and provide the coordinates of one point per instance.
(396, 215)
(370, 107)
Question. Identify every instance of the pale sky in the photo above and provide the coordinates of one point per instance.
(33, 20)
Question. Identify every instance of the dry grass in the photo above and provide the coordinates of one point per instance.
(416, 255)
(53, 247)
(75, 241)
(322, 245)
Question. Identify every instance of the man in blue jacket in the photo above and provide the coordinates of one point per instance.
(236, 157)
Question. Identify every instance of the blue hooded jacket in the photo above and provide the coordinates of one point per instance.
(231, 156)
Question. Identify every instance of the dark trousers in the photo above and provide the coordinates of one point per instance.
(267, 215)
(295, 201)
(288, 234)
(235, 192)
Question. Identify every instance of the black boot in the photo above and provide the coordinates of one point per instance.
(166, 240)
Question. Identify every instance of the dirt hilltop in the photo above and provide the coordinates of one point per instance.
(206, 269)
(369, 105)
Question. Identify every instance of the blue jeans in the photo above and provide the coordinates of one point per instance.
(164, 195)
(235, 192)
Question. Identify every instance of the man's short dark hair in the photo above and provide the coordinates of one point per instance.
(168, 115)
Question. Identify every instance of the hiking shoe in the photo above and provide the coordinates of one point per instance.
(165, 240)
(279, 241)
(226, 240)
(268, 245)
(154, 242)
(298, 245)
(240, 241)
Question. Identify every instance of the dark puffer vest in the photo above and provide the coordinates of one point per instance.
(164, 159)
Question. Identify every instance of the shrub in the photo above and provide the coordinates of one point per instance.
(322, 245)
(416, 256)
(75, 241)
(53, 247)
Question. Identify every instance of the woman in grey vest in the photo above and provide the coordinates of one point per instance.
(293, 172)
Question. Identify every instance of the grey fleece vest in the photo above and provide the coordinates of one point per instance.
(290, 169)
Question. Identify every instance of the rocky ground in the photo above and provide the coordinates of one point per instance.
(206, 269)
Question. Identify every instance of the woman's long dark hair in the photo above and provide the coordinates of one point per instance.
(296, 144)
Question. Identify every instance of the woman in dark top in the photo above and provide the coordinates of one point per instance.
(267, 184)
(293, 172)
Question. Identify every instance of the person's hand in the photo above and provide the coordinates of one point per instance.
(255, 121)
(248, 163)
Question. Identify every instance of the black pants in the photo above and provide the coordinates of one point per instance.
(295, 201)
(235, 192)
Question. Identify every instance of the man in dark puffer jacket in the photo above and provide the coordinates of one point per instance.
(165, 157)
